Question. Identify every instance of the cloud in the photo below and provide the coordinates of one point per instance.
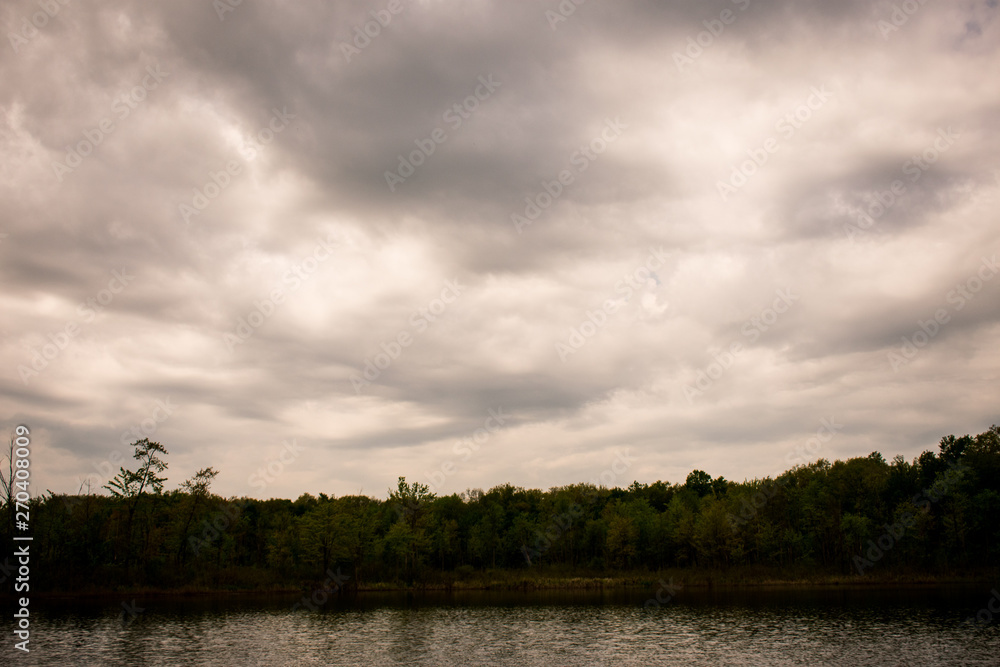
(235, 164)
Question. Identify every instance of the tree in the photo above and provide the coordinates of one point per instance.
(324, 524)
(679, 527)
(7, 485)
(484, 537)
(129, 486)
(953, 448)
(359, 517)
(621, 540)
(197, 488)
(939, 511)
(700, 482)
(198, 485)
(411, 501)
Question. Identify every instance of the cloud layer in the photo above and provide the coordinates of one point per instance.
(314, 246)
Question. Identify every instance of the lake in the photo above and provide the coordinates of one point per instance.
(828, 626)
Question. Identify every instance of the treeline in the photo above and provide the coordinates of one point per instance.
(937, 513)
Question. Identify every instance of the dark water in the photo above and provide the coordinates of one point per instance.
(760, 627)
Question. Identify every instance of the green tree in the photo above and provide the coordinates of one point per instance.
(713, 537)
(412, 503)
(700, 482)
(322, 526)
(197, 489)
(622, 539)
(130, 486)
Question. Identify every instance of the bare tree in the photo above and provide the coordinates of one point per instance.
(7, 484)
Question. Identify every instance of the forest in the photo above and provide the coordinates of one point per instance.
(860, 518)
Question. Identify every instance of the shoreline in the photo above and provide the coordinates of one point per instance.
(528, 585)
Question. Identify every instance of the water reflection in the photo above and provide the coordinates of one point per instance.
(697, 627)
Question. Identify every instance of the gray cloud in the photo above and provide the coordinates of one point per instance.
(243, 188)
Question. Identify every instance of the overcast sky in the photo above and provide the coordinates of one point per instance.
(492, 242)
